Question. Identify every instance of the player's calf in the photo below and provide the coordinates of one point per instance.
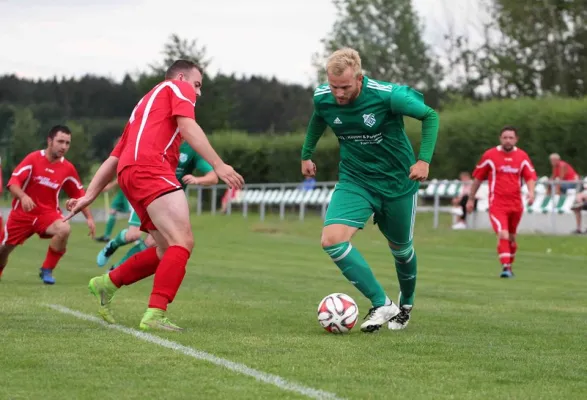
(406, 266)
(59, 232)
(336, 243)
(174, 238)
(504, 253)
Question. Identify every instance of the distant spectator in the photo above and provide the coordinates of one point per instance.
(562, 170)
(460, 202)
(309, 183)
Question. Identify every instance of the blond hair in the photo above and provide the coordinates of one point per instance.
(342, 59)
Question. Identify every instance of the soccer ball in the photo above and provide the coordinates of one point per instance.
(338, 313)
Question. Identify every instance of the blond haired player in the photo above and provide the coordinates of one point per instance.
(378, 174)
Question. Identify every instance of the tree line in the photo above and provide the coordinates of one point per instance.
(525, 50)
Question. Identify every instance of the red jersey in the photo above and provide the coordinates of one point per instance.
(42, 181)
(504, 172)
(151, 136)
(570, 173)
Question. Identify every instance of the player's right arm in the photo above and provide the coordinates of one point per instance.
(316, 127)
(103, 175)
(195, 136)
(21, 174)
(479, 174)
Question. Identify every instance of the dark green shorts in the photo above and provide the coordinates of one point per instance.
(353, 205)
(120, 203)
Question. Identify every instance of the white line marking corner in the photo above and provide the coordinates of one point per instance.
(201, 355)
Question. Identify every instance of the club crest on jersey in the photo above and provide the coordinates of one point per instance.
(369, 120)
(183, 157)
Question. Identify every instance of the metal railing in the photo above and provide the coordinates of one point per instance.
(436, 202)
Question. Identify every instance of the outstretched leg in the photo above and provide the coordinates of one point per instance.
(349, 209)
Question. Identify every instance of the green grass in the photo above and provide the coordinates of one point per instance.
(250, 295)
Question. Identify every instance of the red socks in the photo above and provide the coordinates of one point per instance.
(168, 277)
(52, 258)
(504, 252)
(137, 267)
(513, 249)
(169, 273)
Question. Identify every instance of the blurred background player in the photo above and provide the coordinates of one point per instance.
(378, 175)
(459, 202)
(189, 161)
(145, 160)
(562, 171)
(504, 167)
(35, 185)
(119, 205)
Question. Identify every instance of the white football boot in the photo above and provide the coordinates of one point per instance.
(401, 320)
(378, 316)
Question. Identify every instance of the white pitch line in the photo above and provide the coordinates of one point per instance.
(201, 355)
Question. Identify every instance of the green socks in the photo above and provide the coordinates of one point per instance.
(119, 240)
(406, 267)
(137, 248)
(110, 225)
(357, 271)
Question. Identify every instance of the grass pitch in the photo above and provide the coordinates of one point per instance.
(250, 296)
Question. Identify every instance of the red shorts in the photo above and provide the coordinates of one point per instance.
(505, 220)
(21, 225)
(141, 185)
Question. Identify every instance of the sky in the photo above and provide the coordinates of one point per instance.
(46, 38)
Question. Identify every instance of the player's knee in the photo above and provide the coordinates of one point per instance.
(63, 230)
(186, 241)
(149, 241)
(331, 238)
(505, 235)
(402, 253)
(133, 235)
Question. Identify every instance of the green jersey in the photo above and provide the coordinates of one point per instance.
(375, 151)
(188, 161)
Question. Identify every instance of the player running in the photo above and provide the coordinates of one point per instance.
(35, 185)
(189, 161)
(119, 205)
(378, 174)
(504, 167)
(145, 160)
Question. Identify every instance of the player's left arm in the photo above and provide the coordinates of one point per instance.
(530, 177)
(406, 101)
(209, 178)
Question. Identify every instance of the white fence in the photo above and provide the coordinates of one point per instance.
(546, 212)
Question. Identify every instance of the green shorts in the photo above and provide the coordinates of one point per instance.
(353, 205)
(134, 219)
(120, 203)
